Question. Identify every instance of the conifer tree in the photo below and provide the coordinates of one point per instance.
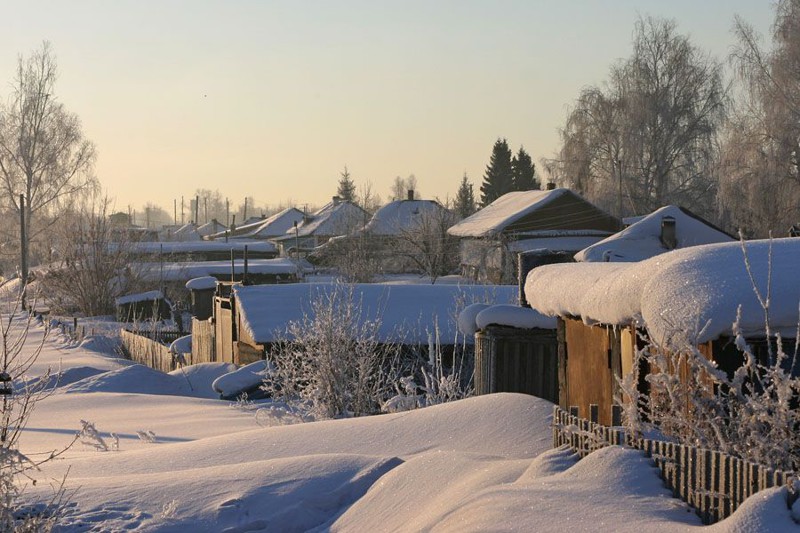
(498, 179)
(524, 172)
(465, 199)
(347, 189)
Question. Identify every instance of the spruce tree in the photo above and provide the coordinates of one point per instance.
(347, 189)
(524, 172)
(498, 179)
(465, 199)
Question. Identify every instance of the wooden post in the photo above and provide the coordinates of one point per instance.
(23, 241)
(594, 412)
(616, 415)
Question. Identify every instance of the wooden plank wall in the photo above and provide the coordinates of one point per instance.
(516, 360)
(147, 352)
(203, 341)
(589, 375)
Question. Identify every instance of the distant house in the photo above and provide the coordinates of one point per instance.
(557, 220)
(683, 298)
(253, 318)
(187, 232)
(266, 228)
(663, 230)
(338, 217)
(210, 228)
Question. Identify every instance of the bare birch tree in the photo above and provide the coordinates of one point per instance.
(44, 156)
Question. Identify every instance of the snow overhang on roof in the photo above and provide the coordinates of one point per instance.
(684, 296)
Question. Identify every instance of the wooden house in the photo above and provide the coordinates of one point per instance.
(556, 219)
(681, 299)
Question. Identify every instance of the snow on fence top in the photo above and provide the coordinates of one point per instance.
(688, 295)
(148, 296)
(505, 210)
(642, 239)
(407, 313)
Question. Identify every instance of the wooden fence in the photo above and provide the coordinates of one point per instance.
(714, 483)
(147, 351)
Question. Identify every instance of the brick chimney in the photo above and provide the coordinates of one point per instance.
(410, 194)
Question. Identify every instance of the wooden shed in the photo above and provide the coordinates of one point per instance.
(509, 359)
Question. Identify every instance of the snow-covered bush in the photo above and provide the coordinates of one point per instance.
(440, 381)
(332, 363)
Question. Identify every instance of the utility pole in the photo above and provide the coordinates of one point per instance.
(182, 222)
(244, 216)
(205, 207)
(175, 211)
(196, 209)
(23, 266)
(227, 212)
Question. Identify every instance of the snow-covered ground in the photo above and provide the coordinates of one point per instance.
(481, 464)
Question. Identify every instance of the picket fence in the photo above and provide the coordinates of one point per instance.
(714, 483)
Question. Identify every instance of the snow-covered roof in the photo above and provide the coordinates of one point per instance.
(203, 283)
(642, 239)
(402, 215)
(183, 271)
(187, 232)
(139, 297)
(510, 207)
(686, 295)
(274, 226)
(210, 228)
(407, 313)
(199, 247)
(335, 218)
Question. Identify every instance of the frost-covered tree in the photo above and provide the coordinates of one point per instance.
(499, 178)
(347, 188)
(648, 136)
(760, 167)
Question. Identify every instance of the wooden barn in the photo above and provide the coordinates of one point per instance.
(684, 298)
(558, 220)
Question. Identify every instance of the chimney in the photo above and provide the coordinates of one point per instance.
(410, 194)
(336, 200)
(669, 234)
(550, 186)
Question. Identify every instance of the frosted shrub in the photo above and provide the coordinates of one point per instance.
(17, 355)
(440, 383)
(91, 438)
(332, 363)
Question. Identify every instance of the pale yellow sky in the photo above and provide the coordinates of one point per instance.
(271, 99)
